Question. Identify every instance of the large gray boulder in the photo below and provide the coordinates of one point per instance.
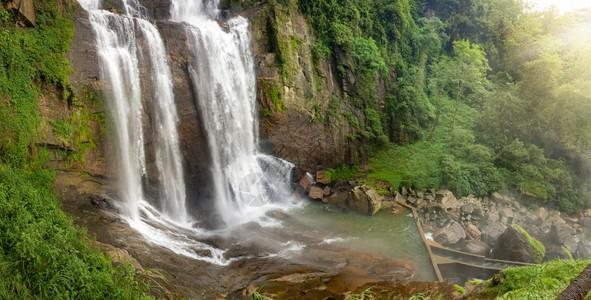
(514, 245)
(475, 247)
(559, 233)
(450, 234)
(472, 232)
(365, 200)
(584, 251)
(491, 233)
(447, 200)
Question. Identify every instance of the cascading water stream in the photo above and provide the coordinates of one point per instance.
(118, 52)
(244, 180)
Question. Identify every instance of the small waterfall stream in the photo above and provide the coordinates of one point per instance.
(246, 183)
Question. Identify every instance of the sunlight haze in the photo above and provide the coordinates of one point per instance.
(562, 5)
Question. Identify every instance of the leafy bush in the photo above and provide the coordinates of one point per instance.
(42, 255)
(341, 173)
(543, 281)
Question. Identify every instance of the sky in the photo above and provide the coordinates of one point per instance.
(562, 5)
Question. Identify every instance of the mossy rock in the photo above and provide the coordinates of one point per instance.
(539, 251)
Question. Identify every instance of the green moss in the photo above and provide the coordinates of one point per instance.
(317, 112)
(272, 93)
(341, 173)
(566, 250)
(62, 128)
(543, 281)
(353, 121)
(539, 251)
(459, 288)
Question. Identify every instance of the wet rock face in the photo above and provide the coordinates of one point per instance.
(513, 246)
(192, 135)
(301, 131)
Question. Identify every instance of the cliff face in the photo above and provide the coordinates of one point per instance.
(302, 97)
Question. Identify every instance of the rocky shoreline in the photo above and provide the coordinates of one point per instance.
(488, 226)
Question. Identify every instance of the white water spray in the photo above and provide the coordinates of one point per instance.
(245, 181)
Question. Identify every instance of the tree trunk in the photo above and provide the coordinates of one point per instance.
(579, 287)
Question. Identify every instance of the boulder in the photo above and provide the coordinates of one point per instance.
(326, 191)
(404, 191)
(305, 182)
(450, 234)
(365, 200)
(572, 243)
(120, 256)
(24, 10)
(513, 245)
(493, 215)
(542, 213)
(472, 232)
(560, 232)
(447, 200)
(500, 199)
(584, 250)
(467, 208)
(555, 252)
(585, 222)
(588, 213)
(491, 232)
(475, 247)
(340, 193)
(321, 178)
(316, 193)
(506, 213)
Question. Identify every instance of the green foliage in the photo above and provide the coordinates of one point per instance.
(273, 94)
(28, 57)
(353, 121)
(421, 296)
(256, 295)
(539, 251)
(415, 165)
(341, 173)
(543, 281)
(459, 288)
(42, 255)
(62, 128)
(366, 294)
(566, 250)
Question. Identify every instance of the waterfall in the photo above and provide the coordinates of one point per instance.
(115, 39)
(245, 180)
(246, 183)
(118, 53)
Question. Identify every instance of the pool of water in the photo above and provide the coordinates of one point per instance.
(393, 236)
